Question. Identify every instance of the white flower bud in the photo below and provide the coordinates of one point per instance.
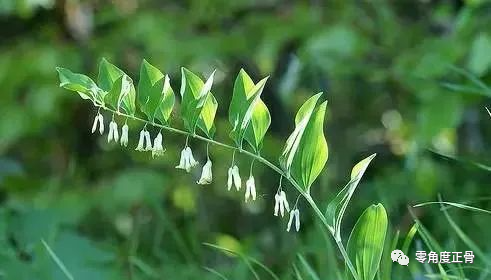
(294, 214)
(229, 179)
(141, 141)
(236, 177)
(101, 124)
(148, 141)
(276, 204)
(250, 189)
(94, 125)
(206, 174)
(158, 149)
(124, 135)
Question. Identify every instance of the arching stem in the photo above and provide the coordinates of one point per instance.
(304, 193)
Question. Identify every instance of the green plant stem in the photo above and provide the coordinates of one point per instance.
(266, 162)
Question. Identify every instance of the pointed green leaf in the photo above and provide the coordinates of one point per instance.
(245, 99)
(337, 207)
(111, 99)
(108, 75)
(292, 143)
(127, 98)
(121, 95)
(306, 152)
(207, 116)
(196, 98)
(79, 83)
(259, 124)
(366, 242)
(150, 88)
(166, 103)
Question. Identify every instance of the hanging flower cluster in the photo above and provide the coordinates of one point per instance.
(152, 103)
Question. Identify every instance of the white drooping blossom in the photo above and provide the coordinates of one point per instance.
(294, 214)
(158, 149)
(206, 174)
(99, 120)
(250, 189)
(141, 141)
(234, 178)
(113, 132)
(148, 140)
(187, 160)
(124, 135)
(281, 204)
(144, 142)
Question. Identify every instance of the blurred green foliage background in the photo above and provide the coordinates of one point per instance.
(392, 72)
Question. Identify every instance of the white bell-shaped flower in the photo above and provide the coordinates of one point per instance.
(294, 215)
(283, 203)
(250, 189)
(98, 121)
(206, 174)
(277, 199)
(148, 141)
(187, 160)
(101, 124)
(192, 161)
(124, 135)
(229, 179)
(236, 177)
(158, 149)
(182, 161)
(94, 125)
(141, 141)
(113, 132)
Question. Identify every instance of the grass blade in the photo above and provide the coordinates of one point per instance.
(58, 262)
(454, 204)
(409, 238)
(247, 260)
(308, 268)
(213, 271)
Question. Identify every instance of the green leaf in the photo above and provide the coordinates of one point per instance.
(150, 88)
(83, 85)
(366, 242)
(166, 104)
(245, 106)
(197, 98)
(207, 116)
(108, 75)
(261, 120)
(306, 152)
(111, 99)
(337, 207)
(127, 98)
(121, 95)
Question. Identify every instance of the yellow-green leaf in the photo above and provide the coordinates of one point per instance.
(306, 152)
(198, 106)
(150, 88)
(366, 242)
(246, 106)
(337, 207)
(166, 104)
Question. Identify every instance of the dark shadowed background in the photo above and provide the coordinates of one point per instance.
(403, 80)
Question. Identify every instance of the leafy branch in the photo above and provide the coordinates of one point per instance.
(302, 160)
